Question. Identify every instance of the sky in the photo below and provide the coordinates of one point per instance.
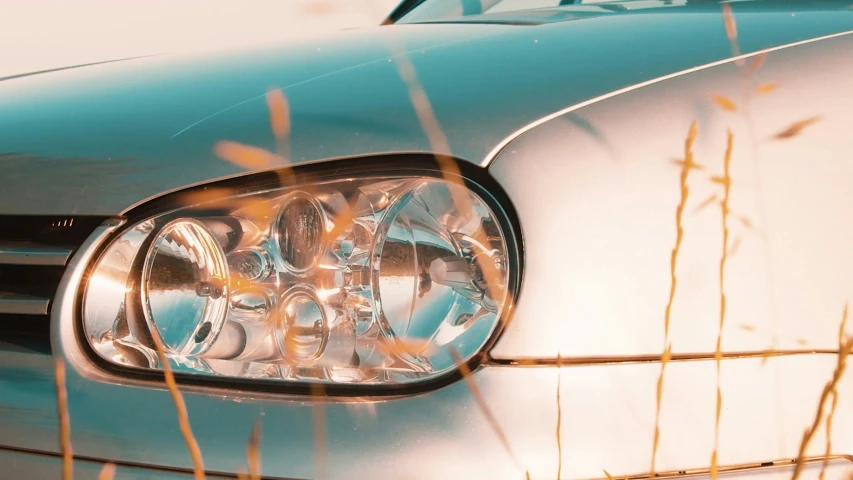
(42, 34)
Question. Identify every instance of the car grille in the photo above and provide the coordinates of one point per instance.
(34, 251)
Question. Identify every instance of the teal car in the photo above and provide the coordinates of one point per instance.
(498, 239)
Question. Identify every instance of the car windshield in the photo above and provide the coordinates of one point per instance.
(516, 11)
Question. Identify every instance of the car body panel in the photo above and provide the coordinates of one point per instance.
(100, 139)
(596, 266)
(34, 465)
(612, 190)
(607, 417)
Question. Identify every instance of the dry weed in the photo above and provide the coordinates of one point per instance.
(828, 389)
(766, 88)
(559, 422)
(726, 181)
(484, 408)
(796, 128)
(724, 102)
(108, 472)
(687, 164)
(64, 421)
(834, 392)
(181, 408)
(321, 443)
(731, 31)
(253, 452)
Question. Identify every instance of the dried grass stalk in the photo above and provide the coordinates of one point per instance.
(731, 32)
(834, 393)
(321, 443)
(687, 165)
(724, 102)
(253, 452)
(64, 421)
(796, 128)
(108, 472)
(484, 408)
(726, 181)
(559, 423)
(828, 389)
(181, 408)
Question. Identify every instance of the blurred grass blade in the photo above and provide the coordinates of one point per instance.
(796, 128)
(731, 32)
(733, 248)
(181, 409)
(246, 156)
(441, 150)
(108, 472)
(828, 451)
(841, 340)
(758, 61)
(321, 443)
(428, 121)
(706, 203)
(724, 102)
(559, 423)
(687, 165)
(726, 181)
(484, 408)
(766, 88)
(64, 421)
(279, 120)
(831, 386)
(253, 453)
(279, 113)
(746, 222)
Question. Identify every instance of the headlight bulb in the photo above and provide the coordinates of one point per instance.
(302, 329)
(184, 287)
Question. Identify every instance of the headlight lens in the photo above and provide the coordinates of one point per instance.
(184, 283)
(360, 281)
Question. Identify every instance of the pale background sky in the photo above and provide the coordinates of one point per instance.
(43, 34)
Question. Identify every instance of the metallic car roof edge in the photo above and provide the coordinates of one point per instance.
(530, 126)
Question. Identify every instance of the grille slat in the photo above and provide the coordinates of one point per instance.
(33, 253)
(17, 304)
(28, 253)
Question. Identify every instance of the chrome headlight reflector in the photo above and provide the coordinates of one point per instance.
(369, 280)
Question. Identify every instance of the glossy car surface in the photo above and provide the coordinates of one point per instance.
(577, 112)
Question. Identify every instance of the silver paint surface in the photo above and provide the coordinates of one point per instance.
(600, 224)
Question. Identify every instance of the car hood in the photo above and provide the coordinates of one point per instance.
(102, 138)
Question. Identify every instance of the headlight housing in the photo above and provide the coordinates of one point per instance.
(371, 278)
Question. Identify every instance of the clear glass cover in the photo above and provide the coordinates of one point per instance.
(365, 281)
(184, 293)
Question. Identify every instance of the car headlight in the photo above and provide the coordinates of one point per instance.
(375, 279)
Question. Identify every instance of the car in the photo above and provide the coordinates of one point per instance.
(498, 239)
